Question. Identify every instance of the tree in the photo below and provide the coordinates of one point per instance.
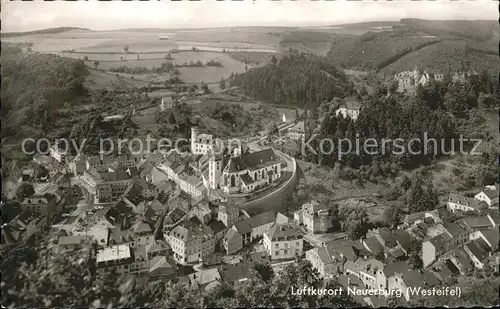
(222, 84)
(274, 61)
(10, 210)
(204, 87)
(96, 64)
(422, 195)
(392, 215)
(86, 58)
(126, 48)
(25, 190)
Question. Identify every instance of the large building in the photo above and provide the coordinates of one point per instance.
(315, 217)
(458, 202)
(489, 195)
(250, 171)
(408, 81)
(191, 241)
(283, 241)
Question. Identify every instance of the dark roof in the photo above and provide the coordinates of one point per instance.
(246, 179)
(493, 237)
(232, 273)
(403, 238)
(477, 250)
(440, 239)
(344, 247)
(247, 225)
(373, 244)
(118, 175)
(397, 267)
(284, 232)
(216, 226)
(252, 161)
(477, 222)
(453, 228)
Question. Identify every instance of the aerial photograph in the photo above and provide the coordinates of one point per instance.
(243, 154)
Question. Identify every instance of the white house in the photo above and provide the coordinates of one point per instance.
(166, 103)
(283, 242)
(489, 195)
(463, 203)
(350, 108)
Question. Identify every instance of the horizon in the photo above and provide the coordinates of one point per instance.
(115, 16)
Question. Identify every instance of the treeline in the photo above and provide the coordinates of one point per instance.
(199, 64)
(33, 85)
(296, 79)
(165, 67)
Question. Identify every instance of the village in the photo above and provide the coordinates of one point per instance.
(172, 214)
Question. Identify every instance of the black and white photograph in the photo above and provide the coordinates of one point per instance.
(244, 154)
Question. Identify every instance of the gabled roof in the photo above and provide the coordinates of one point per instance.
(344, 247)
(158, 263)
(373, 244)
(141, 227)
(397, 267)
(465, 201)
(477, 249)
(492, 193)
(252, 161)
(261, 219)
(493, 237)
(477, 222)
(233, 273)
(72, 240)
(205, 276)
(403, 238)
(279, 232)
(230, 234)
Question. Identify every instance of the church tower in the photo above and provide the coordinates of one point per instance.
(194, 133)
(214, 170)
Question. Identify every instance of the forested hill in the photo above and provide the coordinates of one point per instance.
(430, 44)
(297, 79)
(43, 31)
(34, 84)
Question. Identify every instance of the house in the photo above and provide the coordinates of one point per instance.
(157, 248)
(191, 241)
(41, 203)
(349, 109)
(254, 227)
(72, 241)
(412, 279)
(463, 203)
(387, 271)
(140, 234)
(234, 274)
(21, 228)
(113, 185)
(201, 143)
(491, 237)
(489, 195)
(160, 268)
(99, 163)
(228, 214)
(364, 269)
(326, 260)
(478, 223)
(478, 251)
(449, 235)
(250, 171)
(232, 242)
(116, 258)
(282, 219)
(297, 132)
(58, 154)
(166, 103)
(315, 217)
(204, 277)
(283, 241)
(461, 260)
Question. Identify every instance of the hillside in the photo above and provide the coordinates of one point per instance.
(298, 80)
(43, 31)
(447, 56)
(437, 45)
(373, 51)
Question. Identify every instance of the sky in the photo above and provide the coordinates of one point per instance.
(34, 15)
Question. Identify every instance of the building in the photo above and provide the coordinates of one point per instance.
(412, 279)
(349, 109)
(21, 228)
(255, 227)
(166, 103)
(251, 171)
(112, 185)
(315, 217)
(58, 153)
(232, 242)
(201, 143)
(491, 238)
(478, 251)
(191, 241)
(444, 238)
(39, 203)
(77, 167)
(462, 77)
(457, 202)
(283, 242)
(228, 214)
(489, 195)
(364, 269)
(297, 132)
(326, 260)
(116, 258)
(99, 163)
(478, 223)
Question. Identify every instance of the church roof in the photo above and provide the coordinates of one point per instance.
(252, 161)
